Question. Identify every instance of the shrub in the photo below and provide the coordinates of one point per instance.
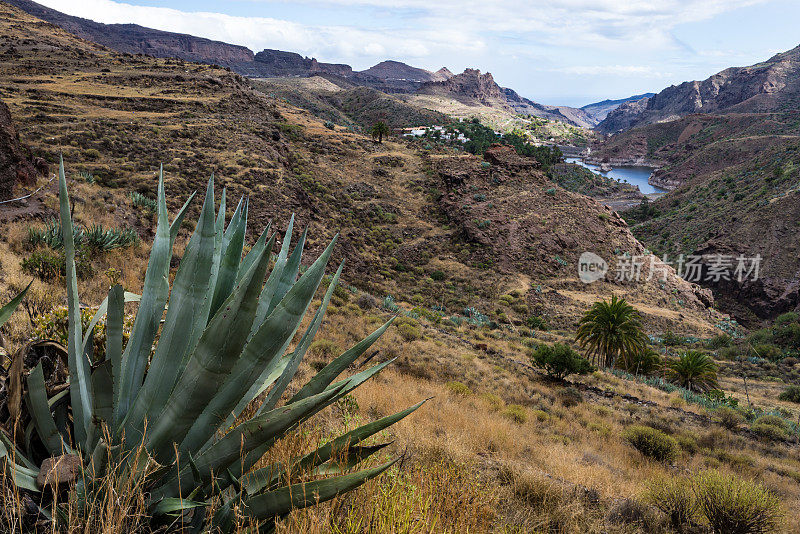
(458, 388)
(560, 361)
(537, 323)
(651, 443)
(44, 265)
(569, 397)
(366, 301)
(768, 351)
(736, 506)
(772, 420)
(438, 276)
(516, 413)
(140, 201)
(718, 342)
(769, 432)
(728, 417)
(409, 332)
(791, 394)
(674, 497)
(325, 348)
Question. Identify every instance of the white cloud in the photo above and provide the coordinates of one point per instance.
(641, 71)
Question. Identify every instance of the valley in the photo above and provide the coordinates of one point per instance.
(473, 250)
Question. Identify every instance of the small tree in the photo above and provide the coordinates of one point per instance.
(560, 361)
(379, 129)
(694, 371)
(611, 331)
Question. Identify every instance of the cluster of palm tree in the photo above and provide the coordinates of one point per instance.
(611, 334)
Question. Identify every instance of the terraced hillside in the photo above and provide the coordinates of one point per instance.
(476, 256)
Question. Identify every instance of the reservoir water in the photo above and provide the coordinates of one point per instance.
(632, 175)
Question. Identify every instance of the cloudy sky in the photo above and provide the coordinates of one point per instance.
(569, 52)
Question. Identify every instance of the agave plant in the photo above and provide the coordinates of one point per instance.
(694, 371)
(165, 405)
(611, 331)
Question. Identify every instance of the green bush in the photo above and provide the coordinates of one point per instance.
(768, 351)
(409, 332)
(560, 361)
(791, 394)
(651, 443)
(736, 506)
(728, 417)
(769, 432)
(325, 348)
(537, 323)
(718, 342)
(674, 497)
(516, 413)
(458, 388)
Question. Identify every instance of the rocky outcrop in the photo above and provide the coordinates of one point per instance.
(135, 39)
(600, 110)
(279, 63)
(14, 166)
(395, 70)
(470, 84)
(764, 87)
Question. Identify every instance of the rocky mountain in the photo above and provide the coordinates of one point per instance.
(135, 39)
(396, 70)
(764, 87)
(599, 110)
(14, 165)
(387, 76)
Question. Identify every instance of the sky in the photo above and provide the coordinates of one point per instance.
(559, 52)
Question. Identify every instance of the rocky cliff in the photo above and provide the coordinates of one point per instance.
(763, 87)
(135, 39)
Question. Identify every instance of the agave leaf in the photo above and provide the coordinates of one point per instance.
(280, 386)
(40, 412)
(80, 381)
(217, 351)
(103, 310)
(114, 325)
(279, 502)
(148, 318)
(272, 372)
(329, 373)
(175, 227)
(21, 476)
(270, 287)
(266, 345)
(8, 309)
(263, 478)
(289, 274)
(250, 257)
(231, 256)
(184, 323)
(7, 445)
(244, 438)
(172, 506)
(102, 385)
(354, 456)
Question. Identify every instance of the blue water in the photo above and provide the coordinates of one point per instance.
(633, 175)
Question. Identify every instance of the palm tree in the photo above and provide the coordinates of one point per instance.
(379, 129)
(611, 330)
(694, 371)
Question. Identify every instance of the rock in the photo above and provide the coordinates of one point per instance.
(59, 470)
(14, 166)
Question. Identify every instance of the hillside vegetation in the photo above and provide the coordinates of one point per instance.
(475, 256)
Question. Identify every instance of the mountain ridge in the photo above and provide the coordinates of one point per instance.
(767, 86)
